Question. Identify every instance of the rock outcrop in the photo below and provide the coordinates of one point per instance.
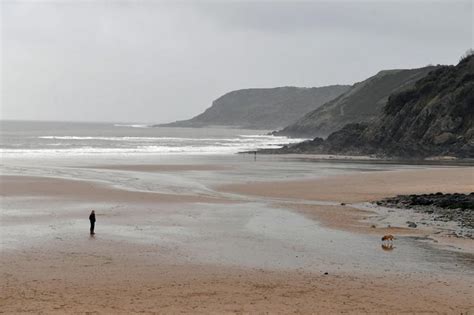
(433, 118)
(362, 103)
(263, 108)
(442, 207)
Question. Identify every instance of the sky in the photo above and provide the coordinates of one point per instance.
(160, 61)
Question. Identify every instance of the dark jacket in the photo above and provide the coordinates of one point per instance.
(92, 217)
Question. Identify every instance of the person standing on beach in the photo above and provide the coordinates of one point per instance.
(92, 220)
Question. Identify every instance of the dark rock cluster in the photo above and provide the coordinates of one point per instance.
(444, 207)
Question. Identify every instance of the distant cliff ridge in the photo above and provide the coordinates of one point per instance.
(270, 108)
(362, 103)
(435, 117)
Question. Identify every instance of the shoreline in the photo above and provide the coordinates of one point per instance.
(442, 161)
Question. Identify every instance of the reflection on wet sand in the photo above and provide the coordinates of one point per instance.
(388, 247)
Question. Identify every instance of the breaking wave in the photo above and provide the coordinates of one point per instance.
(125, 145)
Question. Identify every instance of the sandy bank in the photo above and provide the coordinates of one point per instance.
(364, 186)
(364, 159)
(83, 191)
(163, 167)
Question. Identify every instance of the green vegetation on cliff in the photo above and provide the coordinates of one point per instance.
(362, 103)
(433, 118)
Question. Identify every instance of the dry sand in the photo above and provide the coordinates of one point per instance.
(363, 187)
(110, 285)
(120, 278)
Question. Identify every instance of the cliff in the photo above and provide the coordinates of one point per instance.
(362, 103)
(262, 108)
(435, 117)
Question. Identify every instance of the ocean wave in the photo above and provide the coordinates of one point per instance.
(132, 126)
(246, 138)
(260, 136)
(57, 145)
(137, 150)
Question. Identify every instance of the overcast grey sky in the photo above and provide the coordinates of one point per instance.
(155, 61)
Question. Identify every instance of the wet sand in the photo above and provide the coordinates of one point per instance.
(163, 168)
(202, 252)
(352, 190)
(83, 191)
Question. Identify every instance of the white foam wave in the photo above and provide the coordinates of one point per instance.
(132, 126)
(247, 138)
(260, 136)
(119, 145)
(138, 150)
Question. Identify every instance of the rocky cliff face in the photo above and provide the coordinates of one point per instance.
(362, 103)
(263, 108)
(433, 118)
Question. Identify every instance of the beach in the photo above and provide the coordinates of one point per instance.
(236, 157)
(225, 234)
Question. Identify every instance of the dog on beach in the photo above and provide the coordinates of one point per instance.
(388, 238)
(387, 242)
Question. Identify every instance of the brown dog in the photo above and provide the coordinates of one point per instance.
(388, 237)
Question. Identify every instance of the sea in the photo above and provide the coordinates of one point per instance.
(40, 138)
